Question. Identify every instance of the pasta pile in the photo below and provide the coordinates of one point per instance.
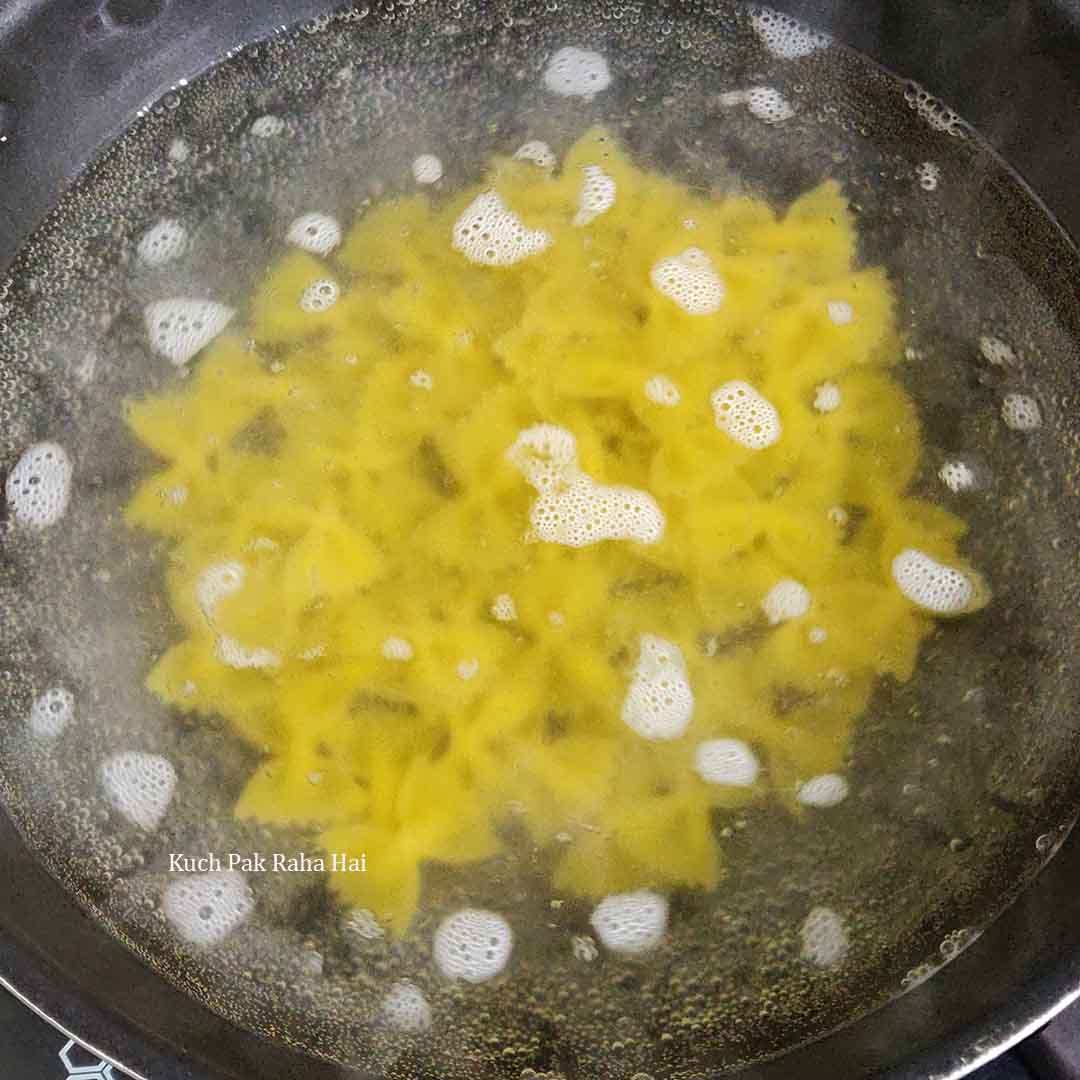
(357, 571)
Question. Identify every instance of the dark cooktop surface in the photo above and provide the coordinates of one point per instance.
(32, 1049)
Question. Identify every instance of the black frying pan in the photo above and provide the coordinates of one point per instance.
(71, 78)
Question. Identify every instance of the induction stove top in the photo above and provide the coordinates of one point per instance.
(31, 1048)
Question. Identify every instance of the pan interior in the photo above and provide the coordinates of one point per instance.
(963, 779)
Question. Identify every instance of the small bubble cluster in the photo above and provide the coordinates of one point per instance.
(661, 390)
(503, 608)
(397, 648)
(216, 582)
(537, 152)
(320, 296)
(929, 175)
(726, 761)
(691, 281)
(769, 105)
(473, 945)
(746, 416)
(163, 243)
(828, 789)
(787, 599)
(840, 312)
(573, 509)
(181, 328)
(958, 476)
(204, 909)
(38, 488)
(422, 379)
(631, 923)
(824, 938)
(784, 36)
(238, 656)
(997, 352)
(314, 232)
(940, 117)
(1021, 412)
(827, 397)
(405, 1008)
(51, 712)
(597, 195)
(492, 235)
(138, 786)
(932, 585)
(574, 72)
(427, 169)
(267, 126)
(659, 703)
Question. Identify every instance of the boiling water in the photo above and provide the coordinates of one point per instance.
(956, 790)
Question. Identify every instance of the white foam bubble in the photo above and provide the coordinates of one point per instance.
(631, 923)
(503, 608)
(997, 352)
(427, 169)
(397, 648)
(572, 508)
(584, 948)
(958, 476)
(204, 909)
(314, 232)
(827, 397)
(320, 296)
(787, 599)
(405, 1008)
(556, 618)
(817, 635)
(364, 924)
(929, 176)
(38, 488)
(138, 786)
(939, 116)
(769, 105)
(51, 712)
(784, 36)
(588, 513)
(473, 944)
(539, 153)
(660, 390)
(468, 669)
(828, 789)
(163, 242)
(422, 379)
(932, 585)
(691, 281)
(597, 195)
(824, 938)
(181, 328)
(659, 703)
(726, 761)
(546, 455)
(745, 415)
(489, 233)
(216, 582)
(179, 151)
(730, 98)
(574, 72)
(267, 126)
(236, 655)
(1021, 412)
(837, 515)
(840, 312)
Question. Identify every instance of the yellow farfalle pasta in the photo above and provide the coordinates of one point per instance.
(362, 595)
